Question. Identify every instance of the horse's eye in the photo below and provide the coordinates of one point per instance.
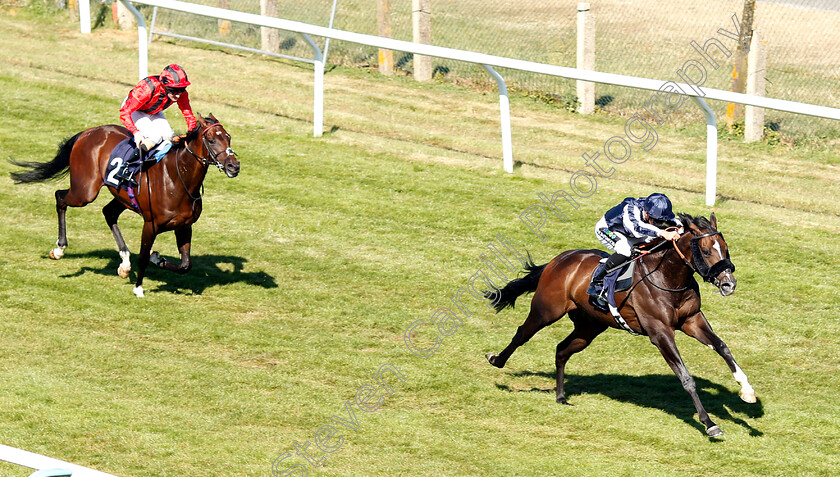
(707, 253)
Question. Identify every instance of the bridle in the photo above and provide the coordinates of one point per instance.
(700, 266)
(204, 161)
(213, 156)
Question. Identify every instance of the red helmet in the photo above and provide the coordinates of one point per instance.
(174, 76)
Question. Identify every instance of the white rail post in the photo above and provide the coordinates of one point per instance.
(504, 111)
(711, 151)
(143, 45)
(84, 16)
(318, 110)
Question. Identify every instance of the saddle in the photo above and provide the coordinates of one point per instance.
(615, 281)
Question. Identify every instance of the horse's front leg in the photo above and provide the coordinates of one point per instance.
(146, 242)
(663, 338)
(183, 236)
(112, 213)
(698, 327)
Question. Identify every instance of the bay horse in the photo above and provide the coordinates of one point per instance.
(663, 298)
(168, 194)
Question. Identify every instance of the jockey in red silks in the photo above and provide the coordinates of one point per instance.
(142, 112)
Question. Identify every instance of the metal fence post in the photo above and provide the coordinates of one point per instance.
(143, 45)
(504, 112)
(84, 16)
(711, 151)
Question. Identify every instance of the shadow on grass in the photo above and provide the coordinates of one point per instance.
(207, 271)
(657, 391)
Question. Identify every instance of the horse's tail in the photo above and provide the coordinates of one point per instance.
(506, 297)
(41, 171)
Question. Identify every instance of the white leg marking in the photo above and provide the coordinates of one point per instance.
(747, 392)
(57, 252)
(125, 265)
(138, 291)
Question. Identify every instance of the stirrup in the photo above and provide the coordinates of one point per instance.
(124, 176)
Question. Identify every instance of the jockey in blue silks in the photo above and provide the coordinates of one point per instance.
(632, 222)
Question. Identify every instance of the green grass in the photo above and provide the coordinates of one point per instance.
(310, 266)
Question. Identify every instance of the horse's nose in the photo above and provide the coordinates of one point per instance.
(232, 168)
(728, 287)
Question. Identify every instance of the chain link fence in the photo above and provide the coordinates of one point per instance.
(644, 38)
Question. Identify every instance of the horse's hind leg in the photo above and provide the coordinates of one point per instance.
(78, 195)
(112, 213)
(61, 210)
(583, 334)
(698, 327)
(540, 316)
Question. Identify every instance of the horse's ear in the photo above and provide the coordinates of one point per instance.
(201, 120)
(713, 221)
(213, 117)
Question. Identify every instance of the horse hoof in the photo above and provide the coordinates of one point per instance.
(714, 431)
(138, 292)
(56, 253)
(123, 272)
(155, 259)
(748, 397)
(492, 359)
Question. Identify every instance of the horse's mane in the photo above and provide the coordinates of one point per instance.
(700, 222)
(193, 133)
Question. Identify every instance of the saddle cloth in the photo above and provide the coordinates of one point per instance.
(125, 152)
(616, 281)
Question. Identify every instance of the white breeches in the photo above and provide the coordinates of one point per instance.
(618, 245)
(153, 126)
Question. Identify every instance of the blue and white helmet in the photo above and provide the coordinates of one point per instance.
(658, 207)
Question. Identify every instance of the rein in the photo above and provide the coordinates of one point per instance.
(186, 189)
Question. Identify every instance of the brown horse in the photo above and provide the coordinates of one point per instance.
(664, 297)
(168, 195)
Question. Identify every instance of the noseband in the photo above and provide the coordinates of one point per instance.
(704, 270)
(213, 156)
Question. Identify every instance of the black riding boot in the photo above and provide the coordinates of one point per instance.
(615, 260)
(124, 175)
